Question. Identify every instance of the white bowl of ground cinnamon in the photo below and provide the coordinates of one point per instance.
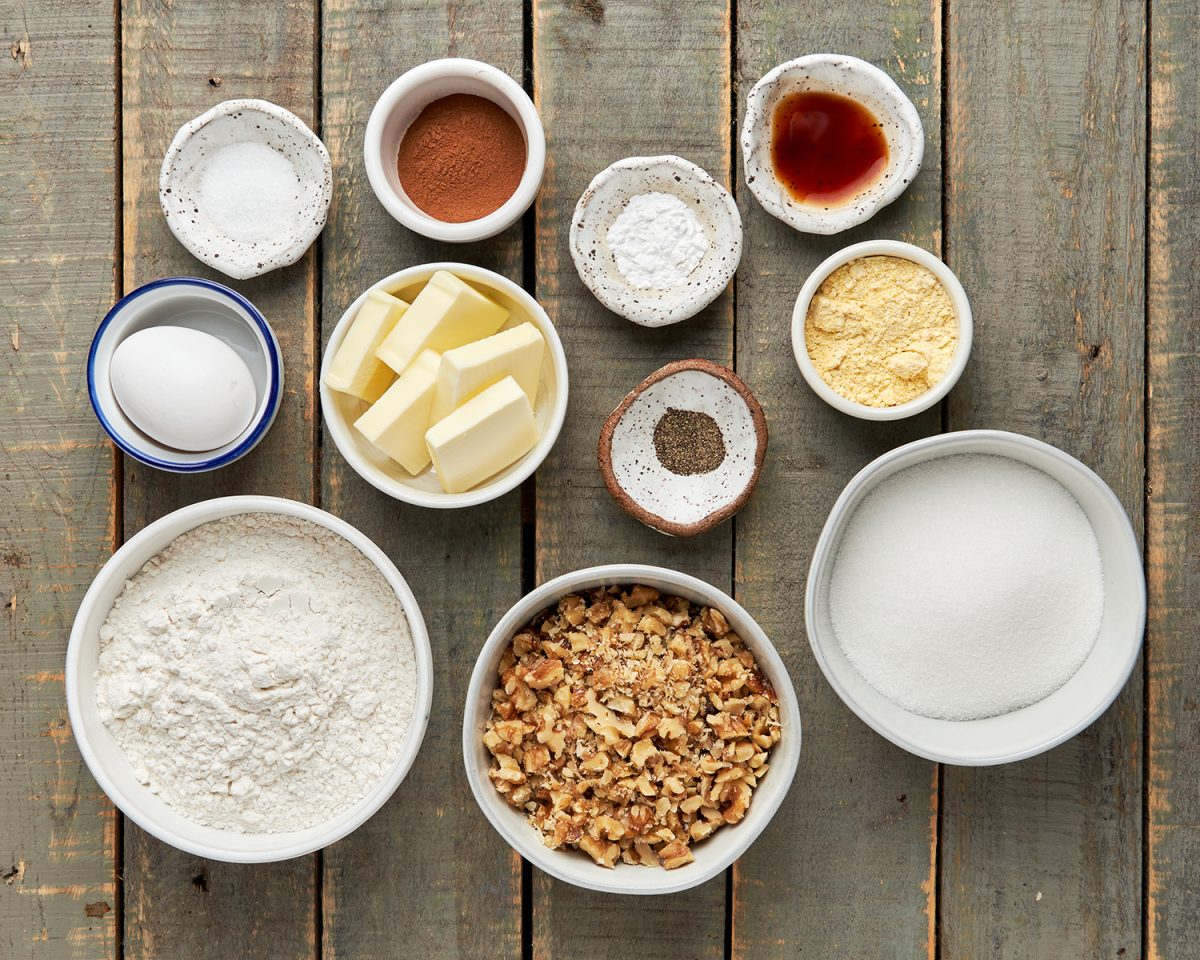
(882, 330)
(455, 150)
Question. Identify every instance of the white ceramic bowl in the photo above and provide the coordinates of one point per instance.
(1042, 725)
(572, 866)
(201, 305)
(604, 200)
(340, 410)
(853, 78)
(399, 106)
(106, 759)
(181, 177)
(883, 248)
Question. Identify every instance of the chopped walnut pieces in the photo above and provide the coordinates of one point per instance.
(545, 673)
(630, 725)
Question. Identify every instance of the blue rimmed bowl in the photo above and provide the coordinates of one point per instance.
(210, 308)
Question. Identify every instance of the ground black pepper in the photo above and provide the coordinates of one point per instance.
(688, 442)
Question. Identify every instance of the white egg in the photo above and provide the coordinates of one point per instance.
(183, 387)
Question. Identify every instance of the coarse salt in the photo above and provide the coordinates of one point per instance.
(657, 241)
(967, 587)
(251, 193)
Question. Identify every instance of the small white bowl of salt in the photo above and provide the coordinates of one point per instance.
(245, 187)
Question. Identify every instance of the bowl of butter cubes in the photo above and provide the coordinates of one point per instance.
(444, 385)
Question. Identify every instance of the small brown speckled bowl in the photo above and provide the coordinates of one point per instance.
(671, 503)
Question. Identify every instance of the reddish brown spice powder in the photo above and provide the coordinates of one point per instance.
(462, 158)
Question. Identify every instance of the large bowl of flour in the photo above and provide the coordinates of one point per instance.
(249, 679)
(977, 597)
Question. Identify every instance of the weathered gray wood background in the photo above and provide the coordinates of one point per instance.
(1060, 181)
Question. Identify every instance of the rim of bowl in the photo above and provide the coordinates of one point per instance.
(437, 499)
(823, 554)
(203, 512)
(674, 304)
(399, 92)
(302, 239)
(274, 363)
(837, 219)
(527, 841)
(905, 251)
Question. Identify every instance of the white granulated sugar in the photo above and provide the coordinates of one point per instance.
(259, 674)
(967, 587)
(657, 241)
(251, 193)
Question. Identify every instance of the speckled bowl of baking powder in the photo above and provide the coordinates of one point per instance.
(1060, 715)
(603, 202)
(109, 763)
(245, 187)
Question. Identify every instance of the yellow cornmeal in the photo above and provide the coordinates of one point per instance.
(881, 330)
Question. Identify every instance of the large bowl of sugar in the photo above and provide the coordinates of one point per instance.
(977, 597)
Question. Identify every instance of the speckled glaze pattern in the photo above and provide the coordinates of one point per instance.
(603, 201)
(676, 505)
(236, 121)
(851, 77)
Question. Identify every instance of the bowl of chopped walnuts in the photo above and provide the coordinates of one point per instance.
(630, 729)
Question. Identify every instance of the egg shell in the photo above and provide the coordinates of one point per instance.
(644, 488)
(183, 387)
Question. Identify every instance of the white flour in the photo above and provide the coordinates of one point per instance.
(258, 673)
(657, 241)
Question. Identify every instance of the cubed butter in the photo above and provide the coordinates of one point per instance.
(355, 369)
(447, 313)
(467, 370)
(486, 434)
(397, 421)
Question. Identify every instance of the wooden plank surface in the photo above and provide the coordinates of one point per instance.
(847, 864)
(1045, 165)
(1045, 192)
(180, 59)
(58, 836)
(426, 876)
(1173, 501)
(617, 79)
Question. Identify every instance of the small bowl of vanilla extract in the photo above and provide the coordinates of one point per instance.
(828, 141)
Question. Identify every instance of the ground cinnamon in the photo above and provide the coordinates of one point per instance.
(461, 159)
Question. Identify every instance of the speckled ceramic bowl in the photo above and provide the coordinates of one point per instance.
(853, 78)
(603, 201)
(671, 503)
(182, 175)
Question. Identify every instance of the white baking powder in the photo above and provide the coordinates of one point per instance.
(251, 193)
(967, 587)
(657, 241)
(259, 674)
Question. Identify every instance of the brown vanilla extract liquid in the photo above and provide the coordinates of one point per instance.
(826, 148)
